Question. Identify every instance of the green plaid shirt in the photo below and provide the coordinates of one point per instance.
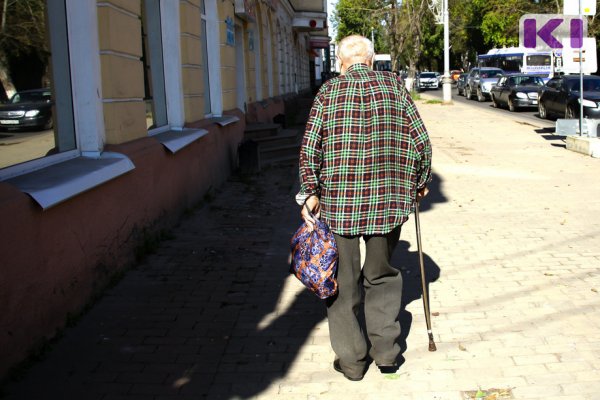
(365, 152)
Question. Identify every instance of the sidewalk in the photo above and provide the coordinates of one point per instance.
(510, 231)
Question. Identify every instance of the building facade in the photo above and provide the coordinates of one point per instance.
(150, 102)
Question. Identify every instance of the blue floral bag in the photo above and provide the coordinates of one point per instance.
(315, 259)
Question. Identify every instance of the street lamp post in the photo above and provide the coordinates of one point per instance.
(446, 80)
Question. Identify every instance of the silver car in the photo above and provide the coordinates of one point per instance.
(480, 82)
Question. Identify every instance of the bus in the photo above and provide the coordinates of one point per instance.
(520, 60)
(382, 62)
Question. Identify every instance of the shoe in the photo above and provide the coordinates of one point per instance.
(338, 368)
(388, 369)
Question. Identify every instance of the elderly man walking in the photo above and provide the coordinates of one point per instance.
(365, 159)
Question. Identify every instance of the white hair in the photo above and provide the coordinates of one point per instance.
(355, 47)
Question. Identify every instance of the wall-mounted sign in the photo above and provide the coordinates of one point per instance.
(230, 31)
(245, 9)
(570, 57)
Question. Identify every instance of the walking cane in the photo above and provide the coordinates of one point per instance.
(423, 283)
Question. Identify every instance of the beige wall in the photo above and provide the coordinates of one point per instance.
(122, 72)
(308, 5)
(191, 60)
(228, 61)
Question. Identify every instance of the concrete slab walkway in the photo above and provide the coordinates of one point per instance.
(510, 233)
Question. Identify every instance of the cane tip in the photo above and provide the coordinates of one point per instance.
(432, 346)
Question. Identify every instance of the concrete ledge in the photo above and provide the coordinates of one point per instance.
(175, 140)
(584, 145)
(224, 120)
(59, 182)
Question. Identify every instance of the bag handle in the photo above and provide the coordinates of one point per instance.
(310, 212)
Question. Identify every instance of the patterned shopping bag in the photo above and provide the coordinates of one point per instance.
(315, 259)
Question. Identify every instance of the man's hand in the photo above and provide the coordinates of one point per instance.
(315, 207)
(422, 193)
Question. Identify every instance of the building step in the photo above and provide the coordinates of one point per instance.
(285, 136)
(261, 130)
(258, 152)
(289, 151)
(284, 159)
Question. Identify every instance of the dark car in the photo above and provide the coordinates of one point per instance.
(28, 109)
(516, 91)
(561, 96)
(461, 82)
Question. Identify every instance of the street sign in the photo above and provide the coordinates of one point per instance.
(570, 58)
(547, 31)
(588, 7)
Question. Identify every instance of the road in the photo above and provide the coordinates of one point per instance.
(20, 146)
(529, 116)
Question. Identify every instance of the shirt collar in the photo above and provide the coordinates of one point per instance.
(357, 67)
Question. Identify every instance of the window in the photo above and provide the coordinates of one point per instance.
(37, 121)
(74, 162)
(554, 83)
(512, 63)
(204, 65)
(152, 58)
(544, 60)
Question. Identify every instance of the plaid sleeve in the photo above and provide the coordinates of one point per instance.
(311, 152)
(421, 142)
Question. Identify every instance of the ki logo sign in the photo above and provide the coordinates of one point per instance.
(548, 31)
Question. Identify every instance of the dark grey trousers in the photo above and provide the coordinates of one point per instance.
(383, 294)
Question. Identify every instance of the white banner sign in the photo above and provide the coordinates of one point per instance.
(588, 7)
(570, 57)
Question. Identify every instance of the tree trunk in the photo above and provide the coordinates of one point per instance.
(7, 89)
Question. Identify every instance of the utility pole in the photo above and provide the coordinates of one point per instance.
(581, 81)
(446, 80)
(440, 12)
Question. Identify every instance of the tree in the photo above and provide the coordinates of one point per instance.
(406, 29)
(478, 25)
(406, 33)
(465, 33)
(22, 44)
(432, 49)
(360, 17)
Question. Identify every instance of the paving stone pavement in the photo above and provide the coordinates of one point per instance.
(510, 234)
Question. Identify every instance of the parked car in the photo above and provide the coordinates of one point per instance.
(561, 96)
(27, 109)
(461, 82)
(429, 80)
(454, 75)
(516, 91)
(480, 82)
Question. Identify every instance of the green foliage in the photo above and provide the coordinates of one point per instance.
(478, 25)
(360, 17)
(499, 29)
(432, 49)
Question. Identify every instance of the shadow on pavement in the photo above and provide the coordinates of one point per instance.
(408, 263)
(208, 315)
(204, 317)
(436, 195)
